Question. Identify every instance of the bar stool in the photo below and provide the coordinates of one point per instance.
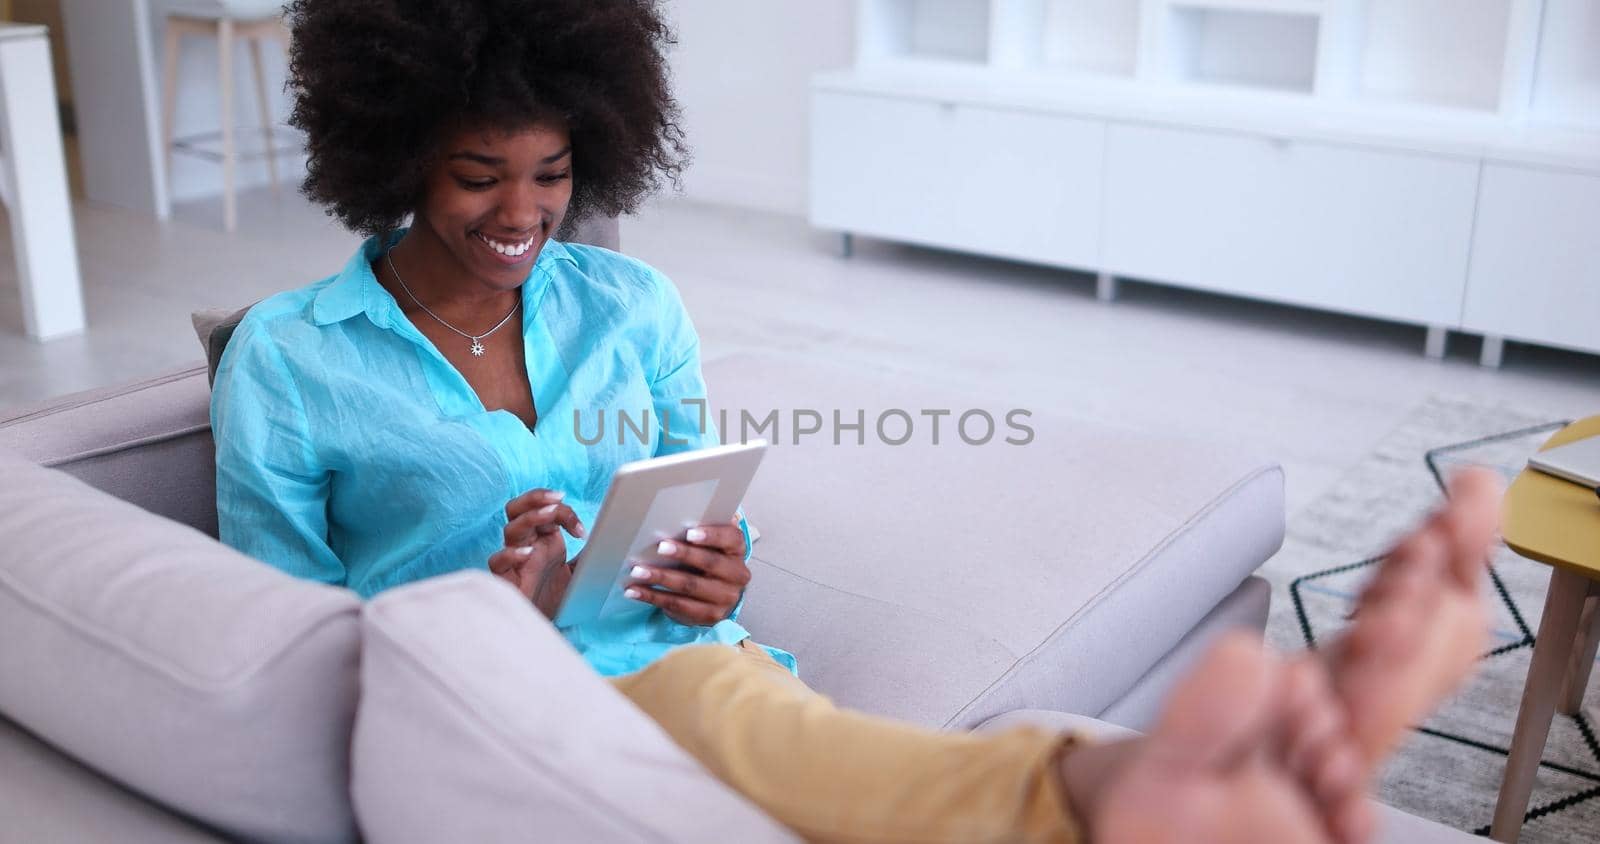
(226, 21)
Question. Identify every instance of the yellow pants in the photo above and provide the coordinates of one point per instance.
(837, 776)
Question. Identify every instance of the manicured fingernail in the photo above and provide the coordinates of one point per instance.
(667, 548)
(545, 511)
(525, 550)
(554, 496)
(695, 535)
(632, 594)
(581, 532)
(640, 573)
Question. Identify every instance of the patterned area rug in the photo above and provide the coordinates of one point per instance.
(1450, 769)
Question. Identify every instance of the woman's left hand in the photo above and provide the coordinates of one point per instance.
(710, 586)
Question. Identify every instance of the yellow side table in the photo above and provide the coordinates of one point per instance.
(1555, 522)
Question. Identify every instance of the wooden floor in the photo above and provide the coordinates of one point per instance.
(1312, 390)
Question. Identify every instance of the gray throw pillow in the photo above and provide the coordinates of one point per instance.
(215, 327)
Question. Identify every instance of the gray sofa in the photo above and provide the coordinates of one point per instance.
(916, 581)
(156, 686)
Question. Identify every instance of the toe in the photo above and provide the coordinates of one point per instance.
(1338, 775)
(1314, 717)
(1471, 523)
(1355, 822)
(1218, 712)
(1421, 556)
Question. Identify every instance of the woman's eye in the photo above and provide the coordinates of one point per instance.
(476, 184)
(554, 177)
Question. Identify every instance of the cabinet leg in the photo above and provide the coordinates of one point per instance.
(1438, 341)
(1105, 287)
(1583, 652)
(1552, 650)
(847, 244)
(1494, 351)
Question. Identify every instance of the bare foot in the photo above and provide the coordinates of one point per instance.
(1423, 621)
(1213, 769)
(1252, 748)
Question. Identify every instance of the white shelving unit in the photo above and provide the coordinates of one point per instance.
(1553, 71)
(953, 31)
(1091, 36)
(1339, 154)
(1521, 58)
(1271, 44)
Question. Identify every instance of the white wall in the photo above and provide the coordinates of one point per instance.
(742, 71)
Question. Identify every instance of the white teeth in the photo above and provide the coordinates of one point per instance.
(513, 250)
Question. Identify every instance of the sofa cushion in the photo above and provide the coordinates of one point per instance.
(1245, 609)
(205, 680)
(147, 442)
(1394, 826)
(46, 796)
(944, 583)
(479, 723)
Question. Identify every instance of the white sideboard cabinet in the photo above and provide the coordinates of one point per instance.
(1536, 257)
(1347, 228)
(1001, 182)
(1325, 153)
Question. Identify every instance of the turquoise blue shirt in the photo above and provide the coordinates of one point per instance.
(349, 451)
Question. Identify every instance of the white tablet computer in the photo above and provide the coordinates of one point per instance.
(1577, 461)
(649, 501)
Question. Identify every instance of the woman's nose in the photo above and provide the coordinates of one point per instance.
(520, 208)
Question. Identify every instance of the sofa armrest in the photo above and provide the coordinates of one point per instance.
(147, 442)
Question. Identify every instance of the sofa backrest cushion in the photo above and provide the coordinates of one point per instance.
(479, 723)
(148, 443)
(198, 677)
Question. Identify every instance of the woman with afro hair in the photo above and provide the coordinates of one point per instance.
(416, 414)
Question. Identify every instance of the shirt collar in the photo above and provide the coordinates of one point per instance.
(356, 290)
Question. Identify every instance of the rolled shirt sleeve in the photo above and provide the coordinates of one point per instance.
(678, 389)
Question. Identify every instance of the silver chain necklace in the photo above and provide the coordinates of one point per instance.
(477, 342)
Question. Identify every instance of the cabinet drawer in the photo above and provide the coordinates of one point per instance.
(1006, 183)
(1356, 230)
(1536, 257)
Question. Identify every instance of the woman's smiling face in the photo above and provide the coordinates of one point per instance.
(495, 197)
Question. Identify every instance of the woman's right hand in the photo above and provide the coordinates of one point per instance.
(534, 558)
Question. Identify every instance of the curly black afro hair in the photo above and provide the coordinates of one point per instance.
(378, 83)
